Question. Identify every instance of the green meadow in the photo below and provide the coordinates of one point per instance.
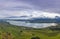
(8, 31)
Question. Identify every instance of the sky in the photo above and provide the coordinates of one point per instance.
(37, 8)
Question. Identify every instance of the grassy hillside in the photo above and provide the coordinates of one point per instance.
(8, 31)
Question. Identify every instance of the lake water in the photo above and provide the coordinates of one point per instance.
(34, 25)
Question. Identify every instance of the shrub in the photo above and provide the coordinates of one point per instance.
(35, 38)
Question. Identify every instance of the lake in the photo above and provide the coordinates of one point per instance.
(34, 25)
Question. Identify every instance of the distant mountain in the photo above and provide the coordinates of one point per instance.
(4, 21)
(13, 17)
(31, 19)
(45, 20)
(37, 19)
(18, 17)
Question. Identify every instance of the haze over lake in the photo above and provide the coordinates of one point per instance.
(34, 25)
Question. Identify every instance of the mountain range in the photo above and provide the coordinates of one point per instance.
(31, 19)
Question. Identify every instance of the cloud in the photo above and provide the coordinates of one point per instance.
(29, 13)
(28, 7)
(46, 5)
(13, 5)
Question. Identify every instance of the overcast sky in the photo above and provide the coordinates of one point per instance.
(28, 7)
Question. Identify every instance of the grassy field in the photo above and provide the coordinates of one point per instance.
(8, 31)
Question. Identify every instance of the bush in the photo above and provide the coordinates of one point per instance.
(35, 38)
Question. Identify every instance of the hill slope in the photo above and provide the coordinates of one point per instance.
(16, 32)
